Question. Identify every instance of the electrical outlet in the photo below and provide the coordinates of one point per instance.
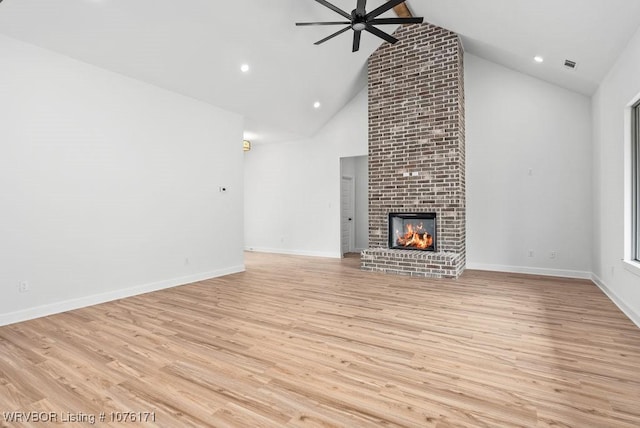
(553, 254)
(23, 286)
(530, 253)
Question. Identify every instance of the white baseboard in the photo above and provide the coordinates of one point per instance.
(630, 313)
(564, 273)
(327, 254)
(95, 299)
(82, 302)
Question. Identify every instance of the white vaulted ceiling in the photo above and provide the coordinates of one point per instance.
(511, 32)
(196, 47)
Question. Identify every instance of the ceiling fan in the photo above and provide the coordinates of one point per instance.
(359, 20)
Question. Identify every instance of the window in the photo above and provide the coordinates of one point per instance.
(635, 198)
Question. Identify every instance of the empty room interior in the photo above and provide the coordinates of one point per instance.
(340, 213)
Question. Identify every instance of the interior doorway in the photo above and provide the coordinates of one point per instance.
(347, 214)
(354, 204)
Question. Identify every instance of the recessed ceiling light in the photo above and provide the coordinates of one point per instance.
(317, 104)
(244, 68)
(538, 58)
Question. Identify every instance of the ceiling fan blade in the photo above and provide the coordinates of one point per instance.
(382, 9)
(337, 33)
(335, 9)
(360, 8)
(356, 41)
(381, 34)
(383, 21)
(319, 23)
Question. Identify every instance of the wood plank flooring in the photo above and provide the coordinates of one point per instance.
(311, 342)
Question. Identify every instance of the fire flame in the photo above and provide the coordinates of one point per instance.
(415, 237)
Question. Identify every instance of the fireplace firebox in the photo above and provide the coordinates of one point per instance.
(412, 231)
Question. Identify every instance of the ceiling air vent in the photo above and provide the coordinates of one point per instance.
(569, 64)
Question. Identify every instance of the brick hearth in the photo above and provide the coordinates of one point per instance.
(416, 125)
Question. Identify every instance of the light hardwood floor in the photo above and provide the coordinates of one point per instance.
(311, 342)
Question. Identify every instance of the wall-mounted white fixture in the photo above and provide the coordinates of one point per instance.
(23, 286)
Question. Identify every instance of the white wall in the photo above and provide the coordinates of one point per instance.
(108, 185)
(292, 189)
(528, 177)
(619, 87)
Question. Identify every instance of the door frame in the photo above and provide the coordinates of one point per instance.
(352, 228)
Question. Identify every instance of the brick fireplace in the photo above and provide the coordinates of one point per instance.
(417, 149)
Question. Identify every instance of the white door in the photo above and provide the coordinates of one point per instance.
(347, 211)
